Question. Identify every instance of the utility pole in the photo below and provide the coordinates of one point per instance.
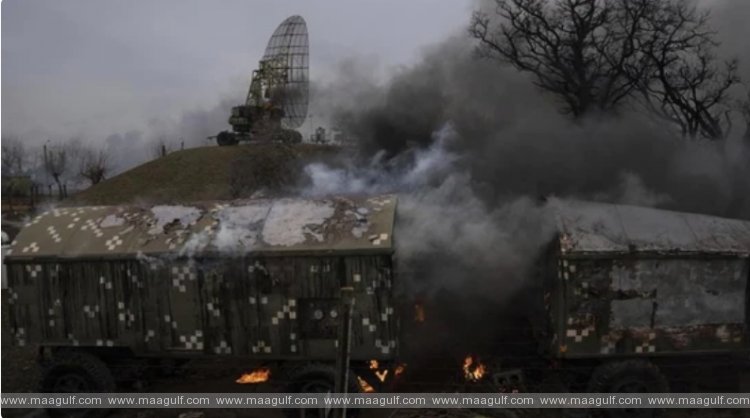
(46, 164)
(312, 126)
(341, 383)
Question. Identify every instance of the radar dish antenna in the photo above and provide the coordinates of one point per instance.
(287, 56)
(277, 100)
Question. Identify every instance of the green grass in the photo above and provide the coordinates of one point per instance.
(206, 173)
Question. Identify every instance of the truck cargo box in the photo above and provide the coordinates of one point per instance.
(631, 281)
(256, 278)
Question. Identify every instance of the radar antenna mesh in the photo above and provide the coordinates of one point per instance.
(287, 54)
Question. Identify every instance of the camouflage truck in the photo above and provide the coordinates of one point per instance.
(100, 287)
(630, 297)
(627, 295)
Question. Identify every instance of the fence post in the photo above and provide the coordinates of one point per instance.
(341, 383)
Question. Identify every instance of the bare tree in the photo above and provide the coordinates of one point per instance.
(597, 54)
(689, 85)
(745, 109)
(14, 157)
(582, 51)
(56, 164)
(93, 165)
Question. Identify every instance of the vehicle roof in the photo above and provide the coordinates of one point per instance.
(286, 225)
(589, 227)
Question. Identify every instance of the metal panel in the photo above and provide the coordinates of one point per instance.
(235, 229)
(254, 306)
(632, 306)
(599, 228)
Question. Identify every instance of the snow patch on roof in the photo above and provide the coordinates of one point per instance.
(165, 215)
(240, 226)
(338, 223)
(111, 220)
(601, 227)
(291, 221)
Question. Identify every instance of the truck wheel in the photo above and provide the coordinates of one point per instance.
(315, 378)
(628, 376)
(76, 372)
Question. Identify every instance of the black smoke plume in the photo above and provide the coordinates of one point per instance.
(473, 148)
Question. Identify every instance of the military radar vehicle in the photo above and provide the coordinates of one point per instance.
(635, 299)
(276, 102)
(625, 296)
(106, 291)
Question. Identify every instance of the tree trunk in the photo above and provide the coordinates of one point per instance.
(59, 187)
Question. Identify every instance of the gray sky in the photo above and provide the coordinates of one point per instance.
(91, 68)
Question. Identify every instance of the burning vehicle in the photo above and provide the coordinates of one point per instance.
(629, 293)
(100, 286)
(623, 293)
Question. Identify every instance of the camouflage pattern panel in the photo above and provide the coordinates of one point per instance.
(259, 277)
(281, 286)
(181, 306)
(50, 233)
(73, 303)
(227, 318)
(24, 308)
(589, 228)
(272, 306)
(375, 331)
(317, 287)
(546, 326)
(233, 229)
(651, 306)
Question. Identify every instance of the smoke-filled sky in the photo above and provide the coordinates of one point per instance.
(125, 73)
(92, 68)
(474, 150)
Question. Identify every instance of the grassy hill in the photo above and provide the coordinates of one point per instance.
(206, 173)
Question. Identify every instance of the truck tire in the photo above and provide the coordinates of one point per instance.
(76, 372)
(316, 378)
(628, 376)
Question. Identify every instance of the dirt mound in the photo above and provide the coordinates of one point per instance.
(207, 173)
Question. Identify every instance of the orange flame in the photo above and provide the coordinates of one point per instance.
(474, 370)
(381, 374)
(366, 388)
(256, 376)
(399, 370)
(419, 312)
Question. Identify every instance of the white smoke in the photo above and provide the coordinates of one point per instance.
(446, 236)
(407, 173)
